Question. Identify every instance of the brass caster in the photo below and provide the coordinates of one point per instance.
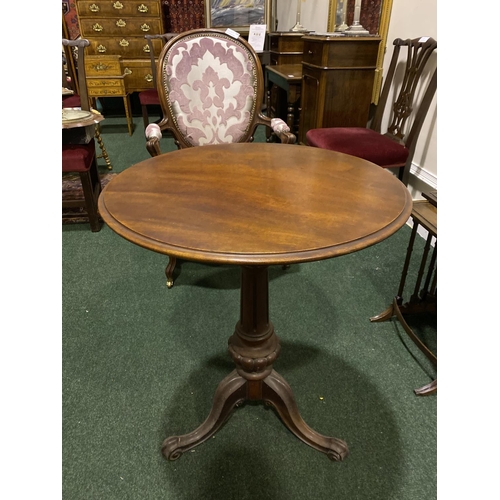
(170, 283)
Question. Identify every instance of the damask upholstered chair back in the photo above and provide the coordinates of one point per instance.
(211, 90)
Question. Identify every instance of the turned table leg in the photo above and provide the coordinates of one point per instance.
(254, 347)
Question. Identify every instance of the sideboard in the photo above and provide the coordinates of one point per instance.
(338, 73)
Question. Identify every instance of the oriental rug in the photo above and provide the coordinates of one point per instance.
(72, 190)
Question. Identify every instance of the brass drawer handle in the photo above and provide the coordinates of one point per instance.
(146, 49)
(148, 78)
(101, 48)
(310, 52)
(124, 43)
(121, 23)
(126, 71)
(97, 27)
(94, 8)
(145, 27)
(142, 8)
(100, 67)
(118, 6)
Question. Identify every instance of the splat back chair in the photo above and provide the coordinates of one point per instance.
(395, 147)
(150, 97)
(69, 76)
(70, 81)
(211, 89)
(81, 158)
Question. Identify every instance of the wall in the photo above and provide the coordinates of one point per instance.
(412, 19)
(409, 19)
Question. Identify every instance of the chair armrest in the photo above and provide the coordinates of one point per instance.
(153, 136)
(282, 131)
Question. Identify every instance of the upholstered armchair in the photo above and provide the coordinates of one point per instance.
(211, 89)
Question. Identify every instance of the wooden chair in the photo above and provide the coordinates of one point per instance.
(211, 88)
(395, 147)
(70, 81)
(79, 155)
(150, 97)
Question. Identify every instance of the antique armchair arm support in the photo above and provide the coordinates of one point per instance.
(282, 130)
(153, 136)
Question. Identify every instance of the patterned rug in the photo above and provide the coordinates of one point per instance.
(72, 190)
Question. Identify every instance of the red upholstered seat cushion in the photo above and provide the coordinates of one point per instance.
(361, 142)
(77, 157)
(149, 97)
(71, 101)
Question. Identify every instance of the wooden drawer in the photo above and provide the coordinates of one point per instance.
(286, 42)
(121, 26)
(106, 87)
(131, 47)
(313, 53)
(115, 8)
(341, 52)
(98, 66)
(278, 58)
(138, 74)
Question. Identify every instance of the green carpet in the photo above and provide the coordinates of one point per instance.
(141, 362)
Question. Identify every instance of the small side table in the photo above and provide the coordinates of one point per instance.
(423, 300)
(284, 78)
(105, 78)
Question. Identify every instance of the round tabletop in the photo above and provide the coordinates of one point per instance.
(255, 203)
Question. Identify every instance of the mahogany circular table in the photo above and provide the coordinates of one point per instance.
(255, 205)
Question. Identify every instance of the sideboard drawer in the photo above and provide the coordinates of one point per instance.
(313, 53)
(138, 74)
(106, 86)
(120, 26)
(286, 42)
(103, 66)
(116, 8)
(333, 52)
(126, 46)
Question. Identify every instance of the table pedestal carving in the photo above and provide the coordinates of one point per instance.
(254, 347)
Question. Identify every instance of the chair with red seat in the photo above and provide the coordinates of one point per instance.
(70, 82)
(395, 148)
(150, 97)
(80, 155)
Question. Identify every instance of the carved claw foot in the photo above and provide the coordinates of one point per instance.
(172, 448)
(230, 392)
(278, 393)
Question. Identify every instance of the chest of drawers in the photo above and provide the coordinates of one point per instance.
(117, 28)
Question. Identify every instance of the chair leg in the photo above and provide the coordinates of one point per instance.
(91, 186)
(145, 117)
(126, 102)
(169, 271)
(103, 148)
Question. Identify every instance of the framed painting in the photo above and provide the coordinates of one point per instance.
(237, 14)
